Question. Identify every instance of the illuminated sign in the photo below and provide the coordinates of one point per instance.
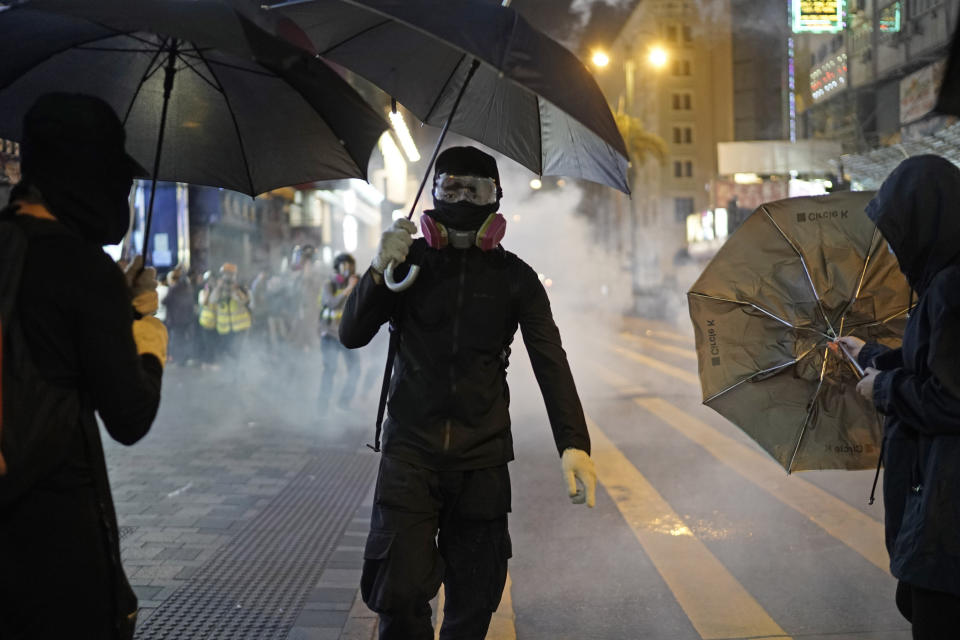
(829, 77)
(817, 16)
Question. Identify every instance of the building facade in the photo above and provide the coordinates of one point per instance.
(671, 68)
(873, 83)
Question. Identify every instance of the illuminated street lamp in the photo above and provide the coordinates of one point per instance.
(535, 184)
(600, 59)
(658, 57)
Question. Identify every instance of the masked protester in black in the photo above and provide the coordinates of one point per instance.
(447, 437)
(918, 388)
(60, 571)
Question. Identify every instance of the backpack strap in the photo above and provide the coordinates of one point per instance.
(387, 374)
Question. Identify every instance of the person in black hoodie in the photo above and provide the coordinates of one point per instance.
(60, 571)
(918, 388)
(447, 437)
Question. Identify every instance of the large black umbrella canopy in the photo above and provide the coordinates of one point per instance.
(530, 99)
(247, 111)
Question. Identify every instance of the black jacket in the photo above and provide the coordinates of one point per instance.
(57, 546)
(448, 400)
(918, 211)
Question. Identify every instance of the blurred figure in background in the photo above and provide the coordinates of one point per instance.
(179, 306)
(309, 281)
(207, 319)
(332, 299)
(232, 304)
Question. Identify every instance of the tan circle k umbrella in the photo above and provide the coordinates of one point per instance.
(797, 274)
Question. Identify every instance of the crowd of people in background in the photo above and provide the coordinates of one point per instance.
(216, 317)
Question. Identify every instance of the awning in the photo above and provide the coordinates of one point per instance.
(871, 169)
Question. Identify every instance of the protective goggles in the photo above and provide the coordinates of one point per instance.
(473, 189)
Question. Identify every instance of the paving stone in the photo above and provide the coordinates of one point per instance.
(311, 618)
(179, 553)
(348, 578)
(332, 594)
(314, 633)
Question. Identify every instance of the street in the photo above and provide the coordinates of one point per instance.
(243, 513)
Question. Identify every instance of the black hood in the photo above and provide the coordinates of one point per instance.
(918, 212)
(72, 152)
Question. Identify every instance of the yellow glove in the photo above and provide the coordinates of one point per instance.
(580, 476)
(143, 287)
(151, 337)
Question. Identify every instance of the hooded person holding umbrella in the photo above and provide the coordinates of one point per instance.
(918, 388)
(447, 437)
(90, 348)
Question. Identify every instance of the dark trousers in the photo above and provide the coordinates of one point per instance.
(331, 351)
(934, 615)
(405, 560)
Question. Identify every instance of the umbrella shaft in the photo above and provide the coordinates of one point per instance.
(168, 74)
(443, 134)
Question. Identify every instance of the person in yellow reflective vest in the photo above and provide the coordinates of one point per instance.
(232, 309)
(208, 338)
(333, 297)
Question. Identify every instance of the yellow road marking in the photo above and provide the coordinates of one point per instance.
(717, 604)
(614, 379)
(502, 625)
(689, 354)
(683, 338)
(847, 524)
(653, 363)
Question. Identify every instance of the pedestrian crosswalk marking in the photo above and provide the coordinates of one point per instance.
(614, 379)
(653, 363)
(689, 354)
(847, 524)
(502, 626)
(717, 605)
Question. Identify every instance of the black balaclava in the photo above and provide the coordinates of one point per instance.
(465, 161)
(72, 152)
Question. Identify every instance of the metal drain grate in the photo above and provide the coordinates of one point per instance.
(257, 583)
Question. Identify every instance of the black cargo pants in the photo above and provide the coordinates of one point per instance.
(405, 560)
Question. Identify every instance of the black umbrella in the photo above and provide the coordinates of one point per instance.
(206, 95)
(480, 70)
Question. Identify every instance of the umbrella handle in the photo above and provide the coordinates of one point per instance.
(404, 284)
(851, 359)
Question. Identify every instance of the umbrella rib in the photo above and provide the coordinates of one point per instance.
(216, 86)
(233, 118)
(803, 263)
(354, 36)
(758, 308)
(883, 321)
(810, 409)
(752, 376)
(863, 275)
(113, 49)
(446, 83)
(235, 67)
(146, 76)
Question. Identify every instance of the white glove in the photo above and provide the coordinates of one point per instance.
(580, 476)
(143, 287)
(394, 244)
(151, 337)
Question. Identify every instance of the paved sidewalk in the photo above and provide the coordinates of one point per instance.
(244, 497)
